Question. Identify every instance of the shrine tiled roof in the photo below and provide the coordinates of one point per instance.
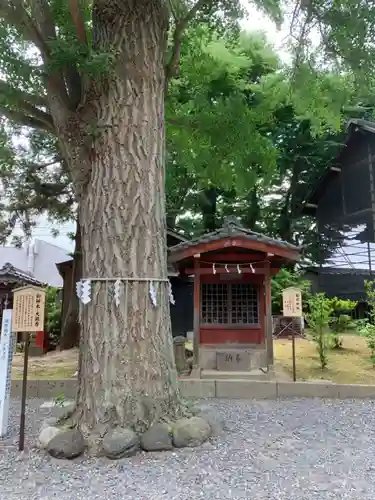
(10, 274)
(232, 229)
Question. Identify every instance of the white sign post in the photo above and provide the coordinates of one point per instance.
(6, 358)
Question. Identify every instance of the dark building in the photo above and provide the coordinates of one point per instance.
(343, 203)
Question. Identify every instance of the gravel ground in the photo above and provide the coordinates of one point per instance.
(298, 449)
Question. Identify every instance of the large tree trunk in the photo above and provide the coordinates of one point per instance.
(127, 375)
(70, 329)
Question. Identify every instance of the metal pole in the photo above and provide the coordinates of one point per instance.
(294, 354)
(24, 391)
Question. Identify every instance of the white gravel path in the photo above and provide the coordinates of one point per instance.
(298, 449)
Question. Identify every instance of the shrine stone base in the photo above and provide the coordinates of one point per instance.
(232, 357)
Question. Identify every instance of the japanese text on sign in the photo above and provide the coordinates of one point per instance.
(6, 357)
(28, 309)
(292, 303)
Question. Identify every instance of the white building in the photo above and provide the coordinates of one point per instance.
(37, 259)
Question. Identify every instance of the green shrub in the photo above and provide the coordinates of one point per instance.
(320, 310)
(53, 316)
(366, 327)
(340, 320)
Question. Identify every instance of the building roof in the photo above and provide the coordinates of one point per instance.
(339, 271)
(177, 235)
(233, 229)
(10, 274)
(321, 184)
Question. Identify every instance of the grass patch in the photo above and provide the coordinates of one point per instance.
(349, 365)
(52, 366)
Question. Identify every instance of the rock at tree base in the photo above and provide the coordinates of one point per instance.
(46, 435)
(157, 438)
(190, 432)
(216, 423)
(120, 443)
(63, 412)
(67, 444)
(49, 422)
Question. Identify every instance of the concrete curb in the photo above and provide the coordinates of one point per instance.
(229, 389)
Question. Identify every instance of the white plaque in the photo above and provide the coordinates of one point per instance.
(6, 358)
(292, 302)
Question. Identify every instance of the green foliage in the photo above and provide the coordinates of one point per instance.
(340, 321)
(320, 310)
(60, 400)
(236, 126)
(53, 315)
(367, 326)
(284, 279)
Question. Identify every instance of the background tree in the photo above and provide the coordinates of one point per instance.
(36, 182)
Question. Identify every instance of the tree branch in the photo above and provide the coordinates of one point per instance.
(38, 33)
(44, 20)
(15, 15)
(180, 27)
(22, 96)
(74, 79)
(78, 21)
(42, 122)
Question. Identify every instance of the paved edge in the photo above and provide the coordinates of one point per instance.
(230, 389)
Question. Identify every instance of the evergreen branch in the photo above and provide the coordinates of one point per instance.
(22, 96)
(32, 168)
(41, 120)
(16, 15)
(180, 27)
(38, 33)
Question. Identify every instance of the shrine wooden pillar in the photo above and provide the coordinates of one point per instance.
(197, 300)
(268, 323)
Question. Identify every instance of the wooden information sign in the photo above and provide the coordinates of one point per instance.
(292, 308)
(28, 309)
(292, 302)
(27, 317)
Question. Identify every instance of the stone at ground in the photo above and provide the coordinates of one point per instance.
(49, 422)
(67, 444)
(190, 432)
(62, 412)
(120, 443)
(214, 418)
(46, 435)
(157, 438)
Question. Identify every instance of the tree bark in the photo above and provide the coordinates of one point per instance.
(70, 330)
(208, 207)
(127, 375)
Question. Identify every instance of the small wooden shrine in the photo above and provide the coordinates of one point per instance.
(232, 269)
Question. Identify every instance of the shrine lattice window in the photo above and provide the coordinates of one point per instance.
(229, 304)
